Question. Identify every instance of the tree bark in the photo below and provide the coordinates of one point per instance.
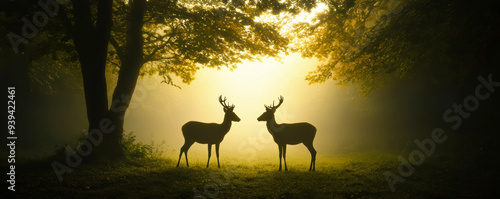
(129, 73)
(92, 46)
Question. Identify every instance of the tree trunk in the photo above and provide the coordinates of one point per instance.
(92, 46)
(129, 72)
(92, 62)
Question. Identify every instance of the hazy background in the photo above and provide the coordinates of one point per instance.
(388, 119)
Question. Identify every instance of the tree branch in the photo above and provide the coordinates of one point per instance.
(119, 50)
(152, 54)
(70, 29)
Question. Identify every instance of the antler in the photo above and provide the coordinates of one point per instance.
(224, 104)
(275, 107)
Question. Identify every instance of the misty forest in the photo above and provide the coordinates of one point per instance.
(292, 99)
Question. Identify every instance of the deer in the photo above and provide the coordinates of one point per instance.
(208, 133)
(291, 134)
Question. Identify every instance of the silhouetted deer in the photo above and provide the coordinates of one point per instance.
(208, 133)
(292, 134)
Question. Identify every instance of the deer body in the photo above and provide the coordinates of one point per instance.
(292, 134)
(207, 133)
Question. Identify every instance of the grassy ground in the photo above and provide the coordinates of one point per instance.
(340, 176)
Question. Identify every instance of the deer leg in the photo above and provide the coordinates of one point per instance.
(209, 153)
(313, 156)
(180, 155)
(185, 149)
(284, 156)
(217, 153)
(280, 153)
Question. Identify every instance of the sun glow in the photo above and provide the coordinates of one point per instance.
(164, 109)
(249, 87)
(287, 21)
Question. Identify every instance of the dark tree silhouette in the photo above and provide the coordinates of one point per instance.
(147, 38)
(372, 43)
(292, 134)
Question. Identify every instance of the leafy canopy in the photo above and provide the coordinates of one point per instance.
(371, 42)
(180, 37)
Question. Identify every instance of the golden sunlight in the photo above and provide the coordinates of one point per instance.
(286, 21)
(249, 87)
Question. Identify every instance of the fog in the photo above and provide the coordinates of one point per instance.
(388, 119)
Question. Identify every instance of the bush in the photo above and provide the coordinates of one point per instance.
(139, 150)
(133, 150)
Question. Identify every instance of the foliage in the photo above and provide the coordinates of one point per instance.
(372, 42)
(139, 150)
(134, 150)
(349, 38)
(180, 37)
(368, 42)
(48, 54)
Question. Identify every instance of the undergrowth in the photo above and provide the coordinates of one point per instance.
(134, 151)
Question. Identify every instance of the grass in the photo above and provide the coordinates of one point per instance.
(357, 175)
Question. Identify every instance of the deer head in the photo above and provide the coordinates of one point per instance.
(270, 110)
(228, 110)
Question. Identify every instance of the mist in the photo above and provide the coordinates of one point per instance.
(388, 119)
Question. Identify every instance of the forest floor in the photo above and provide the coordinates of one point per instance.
(358, 175)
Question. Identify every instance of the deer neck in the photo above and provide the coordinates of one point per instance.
(226, 124)
(272, 126)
